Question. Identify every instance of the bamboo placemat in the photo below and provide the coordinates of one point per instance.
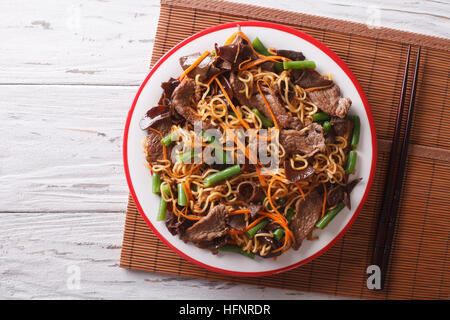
(420, 261)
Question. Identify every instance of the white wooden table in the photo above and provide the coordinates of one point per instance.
(68, 73)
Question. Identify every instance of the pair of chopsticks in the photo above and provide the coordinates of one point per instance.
(394, 180)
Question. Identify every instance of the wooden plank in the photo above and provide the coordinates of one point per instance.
(76, 42)
(43, 255)
(86, 42)
(61, 147)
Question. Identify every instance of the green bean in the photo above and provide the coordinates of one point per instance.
(222, 175)
(299, 64)
(356, 131)
(166, 189)
(162, 210)
(326, 126)
(156, 183)
(329, 216)
(278, 67)
(265, 122)
(351, 162)
(321, 116)
(236, 249)
(252, 231)
(258, 45)
(182, 199)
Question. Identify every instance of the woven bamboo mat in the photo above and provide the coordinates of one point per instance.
(420, 260)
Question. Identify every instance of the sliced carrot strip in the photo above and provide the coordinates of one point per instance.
(267, 104)
(195, 64)
(324, 199)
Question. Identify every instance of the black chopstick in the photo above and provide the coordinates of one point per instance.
(397, 161)
(393, 212)
(380, 235)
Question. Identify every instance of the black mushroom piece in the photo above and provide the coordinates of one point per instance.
(307, 213)
(177, 225)
(296, 175)
(163, 109)
(181, 100)
(284, 118)
(291, 54)
(230, 56)
(339, 193)
(157, 118)
(205, 68)
(330, 101)
(308, 142)
(210, 231)
(154, 115)
(168, 88)
(249, 192)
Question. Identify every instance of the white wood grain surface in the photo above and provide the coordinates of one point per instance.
(68, 73)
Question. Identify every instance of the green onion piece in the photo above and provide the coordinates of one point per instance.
(299, 64)
(182, 199)
(278, 67)
(321, 116)
(258, 45)
(185, 157)
(222, 175)
(156, 183)
(278, 234)
(356, 131)
(236, 249)
(351, 162)
(329, 216)
(167, 140)
(252, 231)
(326, 126)
(265, 122)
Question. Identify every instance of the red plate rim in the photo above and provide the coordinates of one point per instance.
(327, 51)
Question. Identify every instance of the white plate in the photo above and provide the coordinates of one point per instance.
(139, 178)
